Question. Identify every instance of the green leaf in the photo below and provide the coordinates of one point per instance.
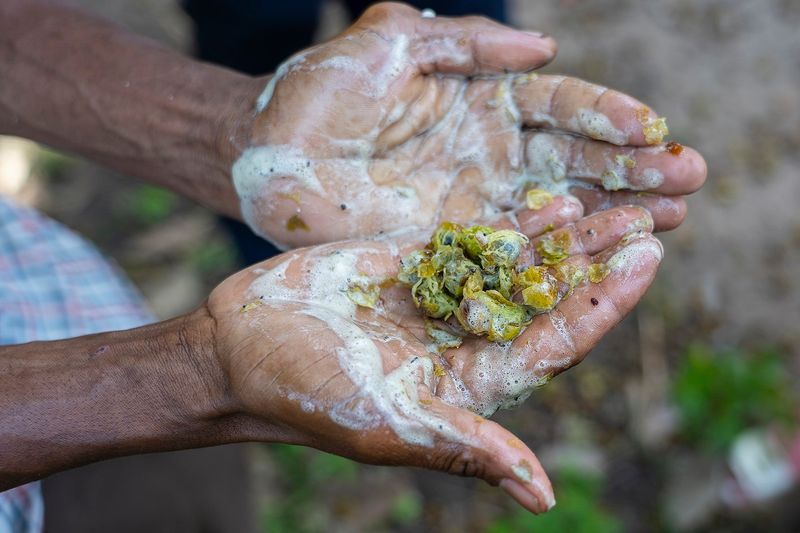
(721, 394)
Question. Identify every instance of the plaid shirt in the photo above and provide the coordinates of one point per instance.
(53, 285)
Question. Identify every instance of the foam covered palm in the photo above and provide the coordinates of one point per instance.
(403, 121)
(365, 383)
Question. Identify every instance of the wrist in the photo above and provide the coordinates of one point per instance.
(221, 115)
(237, 119)
(234, 106)
(235, 127)
(206, 408)
(74, 401)
(194, 377)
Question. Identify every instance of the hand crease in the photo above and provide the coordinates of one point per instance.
(261, 360)
(325, 384)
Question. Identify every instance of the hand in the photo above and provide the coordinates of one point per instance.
(404, 121)
(319, 371)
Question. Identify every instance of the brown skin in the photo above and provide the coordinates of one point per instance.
(327, 107)
(221, 374)
(211, 377)
(81, 84)
(149, 112)
(70, 402)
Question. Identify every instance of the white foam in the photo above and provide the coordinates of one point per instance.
(343, 63)
(445, 50)
(546, 164)
(559, 323)
(500, 379)
(380, 399)
(396, 63)
(523, 472)
(266, 96)
(651, 178)
(394, 397)
(598, 126)
(329, 274)
(509, 104)
(613, 181)
(633, 257)
(256, 169)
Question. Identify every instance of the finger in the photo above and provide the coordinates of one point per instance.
(484, 449)
(561, 339)
(595, 233)
(530, 222)
(453, 440)
(586, 235)
(430, 104)
(559, 211)
(668, 211)
(464, 45)
(477, 45)
(534, 222)
(577, 106)
(674, 171)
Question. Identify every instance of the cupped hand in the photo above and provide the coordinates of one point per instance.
(403, 121)
(366, 383)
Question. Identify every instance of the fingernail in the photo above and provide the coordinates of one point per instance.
(643, 222)
(538, 34)
(539, 40)
(572, 201)
(628, 259)
(517, 491)
(572, 206)
(550, 501)
(661, 249)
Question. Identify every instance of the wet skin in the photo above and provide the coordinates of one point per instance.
(295, 351)
(404, 121)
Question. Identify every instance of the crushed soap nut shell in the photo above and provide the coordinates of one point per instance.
(295, 223)
(554, 248)
(598, 272)
(364, 296)
(538, 198)
(249, 306)
(471, 274)
(654, 129)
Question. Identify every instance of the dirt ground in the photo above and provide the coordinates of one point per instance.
(726, 74)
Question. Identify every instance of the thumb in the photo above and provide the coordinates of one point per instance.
(463, 45)
(475, 446)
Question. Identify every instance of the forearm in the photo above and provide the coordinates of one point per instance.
(79, 83)
(71, 402)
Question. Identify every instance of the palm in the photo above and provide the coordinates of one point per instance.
(365, 134)
(362, 382)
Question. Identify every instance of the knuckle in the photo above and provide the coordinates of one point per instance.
(459, 461)
(384, 11)
(477, 20)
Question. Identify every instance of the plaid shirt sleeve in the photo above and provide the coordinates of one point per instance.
(21, 510)
(53, 285)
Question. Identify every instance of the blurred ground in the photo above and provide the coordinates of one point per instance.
(715, 341)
